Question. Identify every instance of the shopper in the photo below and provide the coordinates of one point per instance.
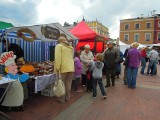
(134, 57)
(153, 60)
(85, 57)
(111, 58)
(64, 64)
(77, 72)
(118, 65)
(143, 59)
(97, 67)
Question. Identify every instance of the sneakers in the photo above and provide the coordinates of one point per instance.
(104, 96)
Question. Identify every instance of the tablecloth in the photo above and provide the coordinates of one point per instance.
(42, 82)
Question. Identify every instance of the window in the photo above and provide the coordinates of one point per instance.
(136, 37)
(126, 26)
(158, 37)
(148, 36)
(159, 24)
(137, 26)
(126, 37)
(148, 25)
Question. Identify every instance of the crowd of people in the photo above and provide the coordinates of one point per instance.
(83, 69)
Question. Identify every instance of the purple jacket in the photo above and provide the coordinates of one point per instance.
(78, 67)
(134, 57)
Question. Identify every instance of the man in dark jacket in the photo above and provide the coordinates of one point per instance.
(111, 57)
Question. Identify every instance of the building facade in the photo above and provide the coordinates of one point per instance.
(96, 26)
(143, 30)
(99, 28)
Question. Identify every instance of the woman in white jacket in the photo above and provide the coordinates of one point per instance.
(85, 57)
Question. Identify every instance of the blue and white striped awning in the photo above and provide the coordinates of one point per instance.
(36, 51)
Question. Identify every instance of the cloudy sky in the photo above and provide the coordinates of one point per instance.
(108, 12)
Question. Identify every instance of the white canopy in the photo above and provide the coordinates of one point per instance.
(123, 46)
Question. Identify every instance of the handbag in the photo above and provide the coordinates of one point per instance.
(59, 88)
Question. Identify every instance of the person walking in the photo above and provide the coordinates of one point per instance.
(143, 59)
(97, 67)
(111, 58)
(134, 57)
(64, 64)
(153, 60)
(118, 65)
(125, 66)
(85, 57)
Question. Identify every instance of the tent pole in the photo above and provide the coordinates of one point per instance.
(95, 45)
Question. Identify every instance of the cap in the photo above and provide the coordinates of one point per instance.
(87, 46)
(110, 42)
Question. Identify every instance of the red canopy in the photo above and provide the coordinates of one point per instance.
(82, 31)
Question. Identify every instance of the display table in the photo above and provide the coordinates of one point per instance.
(41, 82)
(5, 81)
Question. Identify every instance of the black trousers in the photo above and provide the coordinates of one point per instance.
(89, 82)
(110, 74)
(84, 79)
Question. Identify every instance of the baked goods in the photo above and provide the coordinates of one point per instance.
(27, 68)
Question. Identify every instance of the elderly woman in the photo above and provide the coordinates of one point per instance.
(64, 64)
(134, 57)
(86, 56)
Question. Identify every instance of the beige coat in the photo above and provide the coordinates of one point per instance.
(85, 58)
(64, 58)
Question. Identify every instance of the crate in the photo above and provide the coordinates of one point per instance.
(48, 91)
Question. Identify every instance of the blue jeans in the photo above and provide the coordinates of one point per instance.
(131, 76)
(94, 82)
(152, 63)
(143, 62)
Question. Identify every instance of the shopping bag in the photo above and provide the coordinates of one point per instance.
(59, 88)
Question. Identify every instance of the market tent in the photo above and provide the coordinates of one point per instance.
(39, 50)
(82, 31)
(4, 25)
(141, 46)
(87, 36)
(123, 46)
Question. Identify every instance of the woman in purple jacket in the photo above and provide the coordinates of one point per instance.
(134, 57)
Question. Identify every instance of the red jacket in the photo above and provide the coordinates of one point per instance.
(143, 53)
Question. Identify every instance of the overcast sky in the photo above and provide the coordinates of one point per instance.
(31, 12)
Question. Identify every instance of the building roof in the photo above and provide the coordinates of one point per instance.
(4, 25)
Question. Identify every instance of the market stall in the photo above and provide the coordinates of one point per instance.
(87, 36)
(34, 40)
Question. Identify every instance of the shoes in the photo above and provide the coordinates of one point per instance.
(83, 85)
(88, 91)
(79, 90)
(94, 97)
(125, 82)
(104, 96)
(113, 84)
(107, 86)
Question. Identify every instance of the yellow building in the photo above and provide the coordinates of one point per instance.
(99, 28)
(137, 30)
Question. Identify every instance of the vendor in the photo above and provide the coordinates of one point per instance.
(14, 95)
(18, 51)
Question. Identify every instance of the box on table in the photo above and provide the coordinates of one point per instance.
(48, 91)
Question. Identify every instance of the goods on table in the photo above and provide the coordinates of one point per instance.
(42, 68)
(27, 68)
